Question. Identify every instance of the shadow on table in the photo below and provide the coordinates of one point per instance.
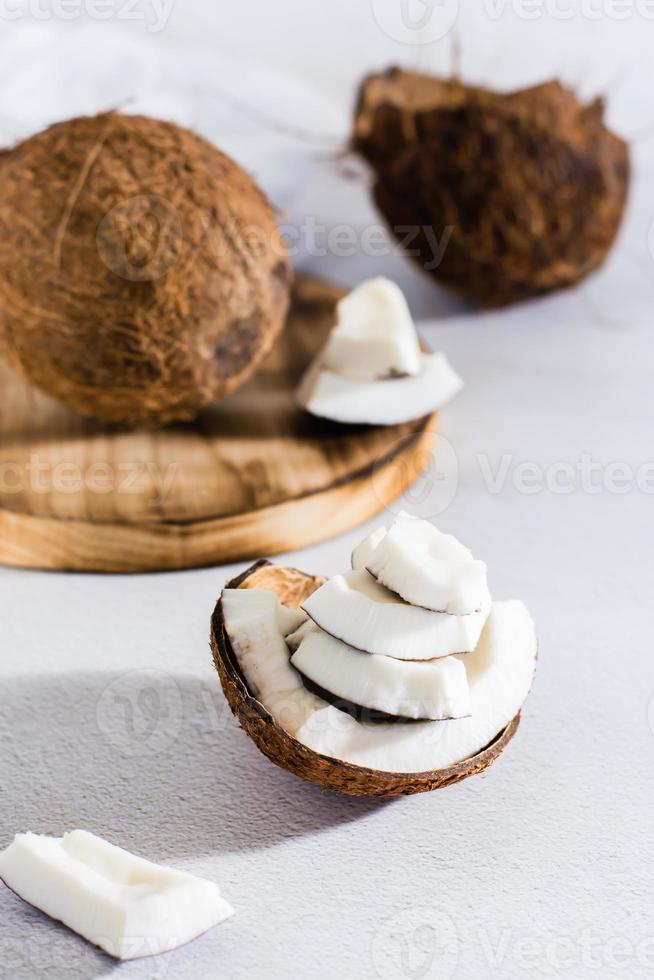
(152, 761)
(155, 763)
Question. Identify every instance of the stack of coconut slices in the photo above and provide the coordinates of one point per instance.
(402, 664)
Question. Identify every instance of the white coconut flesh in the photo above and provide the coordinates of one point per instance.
(294, 639)
(499, 673)
(122, 903)
(428, 568)
(388, 402)
(374, 336)
(256, 623)
(363, 551)
(436, 689)
(356, 609)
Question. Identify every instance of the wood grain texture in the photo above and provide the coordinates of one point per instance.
(253, 475)
(293, 587)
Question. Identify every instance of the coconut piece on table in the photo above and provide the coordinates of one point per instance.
(127, 906)
(428, 568)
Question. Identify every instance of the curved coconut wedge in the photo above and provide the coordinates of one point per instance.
(364, 550)
(428, 568)
(433, 690)
(388, 402)
(256, 623)
(356, 609)
(310, 753)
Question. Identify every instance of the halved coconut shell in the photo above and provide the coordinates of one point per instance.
(293, 587)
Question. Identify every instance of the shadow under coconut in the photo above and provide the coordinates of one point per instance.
(152, 761)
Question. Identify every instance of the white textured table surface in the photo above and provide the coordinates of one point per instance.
(111, 717)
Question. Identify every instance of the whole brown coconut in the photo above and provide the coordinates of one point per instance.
(530, 187)
(142, 275)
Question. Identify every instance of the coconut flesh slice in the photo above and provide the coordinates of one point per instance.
(371, 370)
(374, 336)
(437, 689)
(127, 906)
(257, 623)
(356, 609)
(428, 568)
(500, 673)
(389, 402)
(363, 551)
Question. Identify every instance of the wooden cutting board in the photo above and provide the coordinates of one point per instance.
(252, 476)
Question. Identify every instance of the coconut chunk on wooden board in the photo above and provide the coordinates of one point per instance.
(387, 402)
(375, 336)
(126, 905)
(356, 609)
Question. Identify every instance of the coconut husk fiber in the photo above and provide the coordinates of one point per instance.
(529, 186)
(142, 274)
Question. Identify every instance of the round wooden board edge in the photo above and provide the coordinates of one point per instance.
(58, 544)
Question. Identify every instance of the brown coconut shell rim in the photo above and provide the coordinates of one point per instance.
(291, 754)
